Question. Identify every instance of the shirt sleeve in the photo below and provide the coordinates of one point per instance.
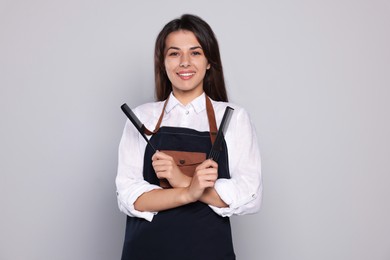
(243, 191)
(130, 183)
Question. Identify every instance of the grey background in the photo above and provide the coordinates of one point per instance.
(314, 75)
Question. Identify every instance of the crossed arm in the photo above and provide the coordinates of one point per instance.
(184, 189)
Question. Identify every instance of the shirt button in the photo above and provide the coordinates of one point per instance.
(187, 112)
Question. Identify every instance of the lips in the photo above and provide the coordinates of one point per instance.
(185, 75)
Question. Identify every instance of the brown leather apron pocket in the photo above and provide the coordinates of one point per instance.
(187, 162)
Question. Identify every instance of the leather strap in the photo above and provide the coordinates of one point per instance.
(210, 117)
(147, 131)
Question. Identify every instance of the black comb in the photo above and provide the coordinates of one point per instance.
(217, 146)
(134, 119)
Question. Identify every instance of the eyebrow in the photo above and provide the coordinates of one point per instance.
(192, 48)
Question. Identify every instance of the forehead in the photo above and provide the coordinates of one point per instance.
(181, 39)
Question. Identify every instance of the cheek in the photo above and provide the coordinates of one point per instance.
(169, 66)
(205, 65)
(169, 70)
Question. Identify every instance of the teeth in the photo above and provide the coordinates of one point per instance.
(186, 74)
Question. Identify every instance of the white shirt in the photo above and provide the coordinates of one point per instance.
(242, 192)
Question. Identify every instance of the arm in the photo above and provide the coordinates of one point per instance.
(130, 183)
(243, 191)
(163, 199)
(138, 198)
(156, 200)
(211, 197)
(165, 167)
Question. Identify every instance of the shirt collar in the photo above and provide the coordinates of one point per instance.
(199, 103)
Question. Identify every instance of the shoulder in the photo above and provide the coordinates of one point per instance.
(239, 113)
(148, 111)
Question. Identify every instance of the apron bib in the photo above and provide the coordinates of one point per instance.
(190, 232)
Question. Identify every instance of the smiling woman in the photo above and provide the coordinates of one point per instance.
(213, 82)
(185, 64)
(178, 202)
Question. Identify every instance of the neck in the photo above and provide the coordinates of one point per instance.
(184, 97)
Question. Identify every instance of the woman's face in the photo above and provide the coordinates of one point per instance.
(185, 64)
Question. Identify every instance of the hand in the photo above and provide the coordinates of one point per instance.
(204, 177)
(166, 168)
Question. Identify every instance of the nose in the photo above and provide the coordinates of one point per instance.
(185, 61)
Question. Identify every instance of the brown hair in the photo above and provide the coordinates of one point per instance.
(213, 83)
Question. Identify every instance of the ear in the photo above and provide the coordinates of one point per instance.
(208, 66)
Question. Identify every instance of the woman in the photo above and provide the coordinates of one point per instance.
(178, 202)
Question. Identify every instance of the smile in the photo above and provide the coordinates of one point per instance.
(186, 75)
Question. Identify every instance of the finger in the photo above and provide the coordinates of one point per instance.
(158, 155)
(207, 183)
(162, 156)
(154, 156)
(207, 171)
(159, 168)
(207, 164)
(166, 163)
(161, 175)
(160, 163)
(212, 163)
(207, 178)
(211, 177)
(161, 172)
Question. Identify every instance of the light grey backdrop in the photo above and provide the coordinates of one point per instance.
(314, 75)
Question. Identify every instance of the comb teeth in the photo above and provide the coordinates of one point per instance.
(226, 119)
(217, 146)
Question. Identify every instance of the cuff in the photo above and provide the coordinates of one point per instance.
(238, 202)
(127, 205)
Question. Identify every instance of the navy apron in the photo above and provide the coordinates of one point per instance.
(190, 232)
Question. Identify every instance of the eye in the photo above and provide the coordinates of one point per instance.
(196, 53)
(173, 54)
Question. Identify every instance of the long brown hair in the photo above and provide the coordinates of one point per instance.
(213, 83)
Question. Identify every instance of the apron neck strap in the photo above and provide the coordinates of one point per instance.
(210, 116)
(147, 131)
